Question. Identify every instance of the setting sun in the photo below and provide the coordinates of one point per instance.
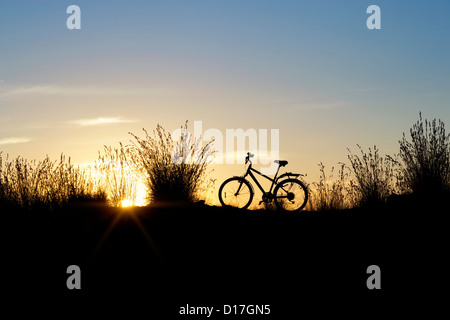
(126, 203)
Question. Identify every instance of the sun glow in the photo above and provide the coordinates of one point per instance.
(140, 198)
(126, 203)
(141, 195)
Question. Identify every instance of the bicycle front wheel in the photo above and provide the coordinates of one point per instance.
(236, 192)
(291, 195)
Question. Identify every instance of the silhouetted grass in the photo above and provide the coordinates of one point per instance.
(118, 178)
(173, 171)
(425, 164)
(45, 184)
(176, 171)
(332, 193)
(375, 177)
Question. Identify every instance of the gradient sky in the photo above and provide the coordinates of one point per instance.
(309, 68)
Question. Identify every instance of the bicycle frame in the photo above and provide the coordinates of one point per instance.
(250, 173)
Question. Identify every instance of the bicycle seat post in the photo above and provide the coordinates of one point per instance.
(278, 169)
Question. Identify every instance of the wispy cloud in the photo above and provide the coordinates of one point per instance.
(12, 91)
(101, 121)
(14, 140)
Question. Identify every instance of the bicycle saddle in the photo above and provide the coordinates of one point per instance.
(282, 163)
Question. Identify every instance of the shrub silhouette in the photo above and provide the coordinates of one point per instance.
(375, 178)
(425, 159)
(174, 171)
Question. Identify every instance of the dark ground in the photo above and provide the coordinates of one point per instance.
(156, 260)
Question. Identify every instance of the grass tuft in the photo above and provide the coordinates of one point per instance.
(45, 184)
(425, 164)
(332, 193)
(173, 171)
(375, 178)
(118, 178)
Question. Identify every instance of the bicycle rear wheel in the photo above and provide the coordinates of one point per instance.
(236, 192)
(291, 195)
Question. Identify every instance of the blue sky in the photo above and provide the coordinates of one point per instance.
(309, 68)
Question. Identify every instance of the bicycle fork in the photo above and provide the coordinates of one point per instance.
(239, 189)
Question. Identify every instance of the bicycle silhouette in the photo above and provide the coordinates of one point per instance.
(289, 194)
